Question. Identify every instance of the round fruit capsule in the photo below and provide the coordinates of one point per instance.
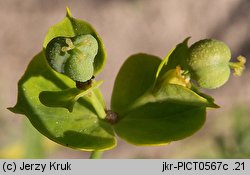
(209, 64)
(73, 57)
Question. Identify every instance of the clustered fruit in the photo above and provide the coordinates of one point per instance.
(207, 62)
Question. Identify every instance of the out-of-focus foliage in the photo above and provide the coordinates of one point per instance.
(237, 144)
(31, 145)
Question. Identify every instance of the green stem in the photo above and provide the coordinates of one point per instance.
(97, 106)
(96, 155)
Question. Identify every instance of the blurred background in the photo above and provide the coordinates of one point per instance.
(128, 27)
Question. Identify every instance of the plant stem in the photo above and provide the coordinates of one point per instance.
(96, 155)
(98, 106)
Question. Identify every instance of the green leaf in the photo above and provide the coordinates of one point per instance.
(175, 94)
(176, 57)
(150, 115)
(135, 77)
(81, 129)
(160, 123)
(207, 97)
(64, 98)
(70, 27)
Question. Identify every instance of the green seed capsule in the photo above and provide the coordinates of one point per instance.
(209, 63)
(73, 57)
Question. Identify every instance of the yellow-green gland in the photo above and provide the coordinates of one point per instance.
(174, 76)
(208, 63)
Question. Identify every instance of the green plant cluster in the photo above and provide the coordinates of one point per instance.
(154, 101)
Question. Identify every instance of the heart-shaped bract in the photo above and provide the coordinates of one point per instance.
(73, 56)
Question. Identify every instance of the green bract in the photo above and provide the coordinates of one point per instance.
(153, 100)
(74, 56)
(80, 129)
(209, 64)
(155, 108)
(69, 116)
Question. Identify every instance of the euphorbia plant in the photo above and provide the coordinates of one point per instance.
(153, 102)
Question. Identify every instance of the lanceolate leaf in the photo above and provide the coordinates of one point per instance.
(81, 129)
